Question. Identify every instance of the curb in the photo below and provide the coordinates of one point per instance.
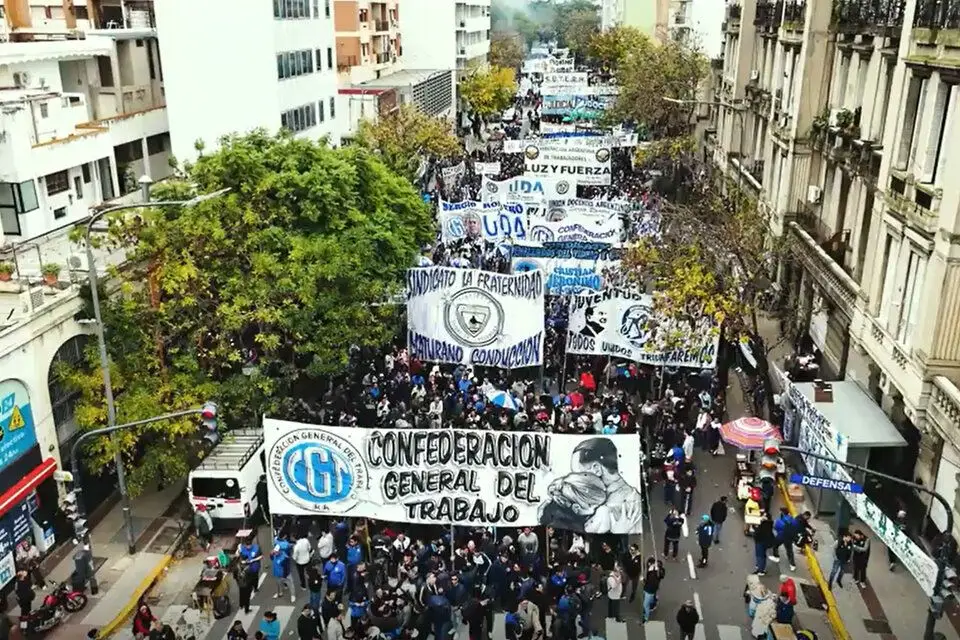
(121, 618)
(833, 616)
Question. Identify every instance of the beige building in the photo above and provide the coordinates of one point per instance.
(841, 118)
(368, 39)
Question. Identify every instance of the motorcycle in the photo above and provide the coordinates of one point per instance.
(61, 599)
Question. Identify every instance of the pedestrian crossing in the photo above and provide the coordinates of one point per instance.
(608, 629)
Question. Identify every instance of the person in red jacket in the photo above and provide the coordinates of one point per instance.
(587, 382)
(788, 589)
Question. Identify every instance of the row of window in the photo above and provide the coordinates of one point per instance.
(309, 115)
(292, 64)
(299, 9)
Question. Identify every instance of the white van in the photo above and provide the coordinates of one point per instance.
(226, 480)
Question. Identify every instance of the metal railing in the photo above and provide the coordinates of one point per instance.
(734, 11)
(794, 12)
(381, 25)
(867, 15)
(769, 15)
(937, 14)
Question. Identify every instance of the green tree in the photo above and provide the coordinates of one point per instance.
(288, 270)
(651, 72)
(580, 28)
(406, 136)
(609, 49)
(506, 50)
(489, 91)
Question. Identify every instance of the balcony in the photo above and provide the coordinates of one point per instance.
(794, 15)
(874, 17)
(381, 26)
(833, 280)
(384, 58)
(345, 63)
(473, 23)
(943, 410)
(733, 12)
(135, 20)
(937, 14)
(768, 17)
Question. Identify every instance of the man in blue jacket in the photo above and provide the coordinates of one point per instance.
(785, 530)
(335, 574)
(354, 558)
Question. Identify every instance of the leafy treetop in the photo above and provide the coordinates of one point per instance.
(489, 90)
(609, 49)
(285, 272)
(506, 50)
(405, 136)
(579, 29)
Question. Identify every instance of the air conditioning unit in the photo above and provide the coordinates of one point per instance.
(814, 193)
(31, 300)
(20, 79)
(754, 75)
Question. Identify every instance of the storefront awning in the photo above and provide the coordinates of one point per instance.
(855, 415)
(19, 492)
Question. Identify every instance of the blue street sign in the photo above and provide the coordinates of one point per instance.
(826, 483)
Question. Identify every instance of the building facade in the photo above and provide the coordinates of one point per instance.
(840, 117)
(281, 70)
(445, 34)
(368, 42)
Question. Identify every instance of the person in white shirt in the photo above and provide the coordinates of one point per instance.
(688, 447)
(325, 546)
(301, 558)
(402, 543)
(614, 593)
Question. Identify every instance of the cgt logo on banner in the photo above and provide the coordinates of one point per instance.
(482, 318)
(454, 476)
(526, 189)
(570, 267)
(623, 323)
(582, 164)
(577, 228)
(490, 221)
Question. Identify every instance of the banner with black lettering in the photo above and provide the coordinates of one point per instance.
(569, 267)
(463, 316)
(488, 220)
(486, 168)
(526, 189)
(468, 477)
(576, 78)
(566, 140)
(581, 164)
(451, 174)
(624, 324)
(577, 228)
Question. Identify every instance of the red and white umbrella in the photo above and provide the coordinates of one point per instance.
(749, 432)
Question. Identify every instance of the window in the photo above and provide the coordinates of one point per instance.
(319, 59)
(85, 169)
(326, 8)
(943, 110)
(291, 64)
(158, 143)
(78, 186)
(293, 9)
(44, 110)
(63, 399)
(910, 300)
(316, 8)
(320, 105)
(891, 254)
(56, 182)
(224, 488)
(59, 212)
(300, 118)
(81, 13)
(139, 42)
(105, 71)
(329, 57)
(916, 90)
(333, 106)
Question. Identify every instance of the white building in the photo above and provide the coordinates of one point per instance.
(842, 120)
(444, 34)
(279, 69)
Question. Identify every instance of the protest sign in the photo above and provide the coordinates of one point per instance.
(570, 267)
(569, 139)
(527, 189)
(582, 164)
(624, 324)
(585, 107)
(578, 90)
(577, 79)
(482, 318)
(607, 229)
(466, 477)
(486, 168)
(451, 174)
(490, 221)
(550, 127)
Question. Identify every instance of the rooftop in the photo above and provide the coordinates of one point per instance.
(73, 49)
(854, 414)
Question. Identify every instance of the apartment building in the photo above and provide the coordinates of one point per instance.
(83, 111)
(278, 70)
(445, 34)
(841, 119)
(367, 39)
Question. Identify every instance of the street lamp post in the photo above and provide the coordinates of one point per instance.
(75, 468)
(93, 279)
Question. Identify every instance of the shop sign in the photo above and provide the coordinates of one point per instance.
(17, 430)
(817, 435)
(8, 569)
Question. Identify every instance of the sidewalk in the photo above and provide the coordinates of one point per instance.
(123, 578)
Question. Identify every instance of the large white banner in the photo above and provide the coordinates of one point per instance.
(486, 168)
(623, 323)
(570, 140)
(608, 229)
(578, 78)
(578, 90)
(488, 220)
(570, 267)
(580, 163)
(532, 189)
(464, 316)
(451, 476)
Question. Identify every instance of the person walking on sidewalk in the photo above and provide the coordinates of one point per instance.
(204, 526)
(633, 565)
(785, 529)
(718, 514)
(762, 540)
(270, 626)
(841, 556)
(307, 627)
(687, 619)
(246, 583)
(614, 593)
(688, 482)
(280, 564)
(24, 591)
(651, 584)
(250, 558)
(301, 557)
(899, 523)
(672, 532)
(861, 556)
(705, 539)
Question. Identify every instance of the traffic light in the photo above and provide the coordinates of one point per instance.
(208, 416)
(71, 508)
(946, 589)
(770, 459)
